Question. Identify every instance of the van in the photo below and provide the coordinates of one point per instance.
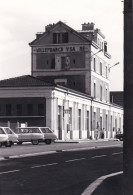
(7, 137)
(35, 135)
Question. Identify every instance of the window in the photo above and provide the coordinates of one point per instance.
(46, 130)
(100, 68)
(8, 109)
(8, 131)
(63, 62)
(106, 72)
(34, 130)
(1, 131)
(53, 63)
(70, 115)
(98, 41)
(94, 61)
(101, 91)
(115, 124)
(19, 109)
(94, 120)
(40, 109)
(106, 95)
(105, 46)
(87, 120)
(106, 122)
(30, 109)
(79, 119)
(62, 82)
(60, 37)
(94, 90)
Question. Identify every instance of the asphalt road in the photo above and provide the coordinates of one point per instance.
(60, 173)
(27, 149)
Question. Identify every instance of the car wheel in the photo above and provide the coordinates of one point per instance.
(48, 141)
(121, 138)
(8, 144)
(19, 143)
(0, 144)
(35, 142)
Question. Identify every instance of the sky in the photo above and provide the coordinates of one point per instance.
(22, 19)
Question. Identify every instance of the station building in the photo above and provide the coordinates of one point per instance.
(68, 89)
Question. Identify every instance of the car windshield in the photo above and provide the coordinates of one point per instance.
(1, 131)
(8, 130)
(46, 130)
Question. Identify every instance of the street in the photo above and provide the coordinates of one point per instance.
(68, 170)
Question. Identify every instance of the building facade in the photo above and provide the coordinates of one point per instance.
(69, 87)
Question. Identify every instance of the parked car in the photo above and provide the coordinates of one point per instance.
(35, 135)
(7, 137)
(49, 135)
(119, 136)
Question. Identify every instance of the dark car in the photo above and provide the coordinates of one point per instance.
(119, 136)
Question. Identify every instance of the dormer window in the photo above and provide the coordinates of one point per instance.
(60, 37)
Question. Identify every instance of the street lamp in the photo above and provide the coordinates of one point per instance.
(114, 65)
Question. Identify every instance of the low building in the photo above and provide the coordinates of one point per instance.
(70, 114)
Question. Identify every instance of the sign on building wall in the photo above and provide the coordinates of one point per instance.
(58, 49)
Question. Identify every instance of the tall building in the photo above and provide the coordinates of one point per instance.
(76, 59)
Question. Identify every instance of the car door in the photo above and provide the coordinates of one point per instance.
(37, 134)
(3, 136)
(11, 135)
(48, 133)
(25, 135)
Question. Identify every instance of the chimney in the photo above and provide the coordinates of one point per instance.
(38, 35)
(48, 27)
(88, 26)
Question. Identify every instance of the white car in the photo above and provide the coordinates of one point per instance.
(35, 135)
(49, 135)
(7, 137)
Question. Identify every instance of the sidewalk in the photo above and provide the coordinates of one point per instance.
(85, 140)
(110, 186)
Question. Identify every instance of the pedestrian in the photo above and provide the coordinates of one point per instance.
(102, 134)
(96, 133)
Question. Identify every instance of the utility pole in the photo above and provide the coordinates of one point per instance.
(128, 98)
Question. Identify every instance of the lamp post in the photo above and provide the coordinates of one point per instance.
(113, 65)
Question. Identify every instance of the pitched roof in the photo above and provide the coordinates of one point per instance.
(66, 26)
(24, 81)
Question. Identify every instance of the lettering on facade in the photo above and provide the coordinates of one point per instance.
(58, 49)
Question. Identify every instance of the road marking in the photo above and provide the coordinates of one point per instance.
(37, 166)
(32, 154)
(9, 172)
(91, 188)
(114, 145)
(78, 149)
(98, 156)
(75, 159)
(117, 153)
